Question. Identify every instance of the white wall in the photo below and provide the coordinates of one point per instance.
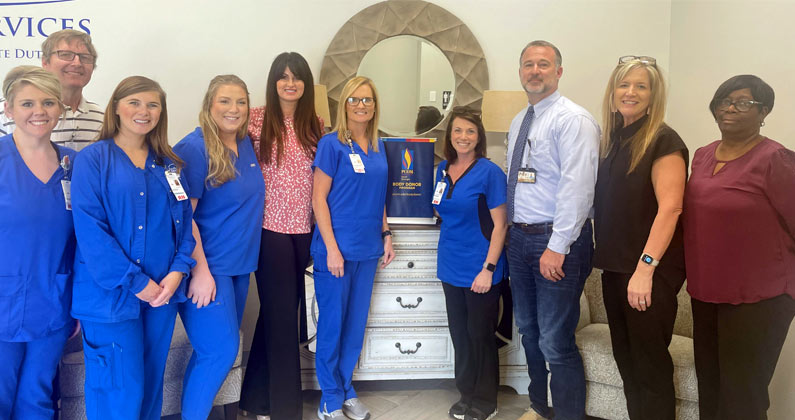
(698, 44)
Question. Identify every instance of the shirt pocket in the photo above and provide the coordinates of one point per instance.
(12, 304)
(104, 366)
(540, 147)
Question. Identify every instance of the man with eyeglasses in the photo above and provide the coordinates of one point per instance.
(553, 154)
(70, 55)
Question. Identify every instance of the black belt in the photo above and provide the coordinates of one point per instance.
(535, 228)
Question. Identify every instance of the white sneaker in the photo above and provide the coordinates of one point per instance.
(355, 409)
(334, 415)
(263, 417)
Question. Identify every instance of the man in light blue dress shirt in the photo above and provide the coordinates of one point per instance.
(553, 153)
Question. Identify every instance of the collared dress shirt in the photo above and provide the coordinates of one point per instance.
(130, 228)
(564, 151)
(76, 128)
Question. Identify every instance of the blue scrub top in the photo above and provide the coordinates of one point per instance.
(36, 248)
(229, 216)
(356, 201)
(466, 222)
(120, 246)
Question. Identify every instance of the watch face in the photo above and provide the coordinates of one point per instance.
(648, 259)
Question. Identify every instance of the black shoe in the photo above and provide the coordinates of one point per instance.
(458, 410)
(475, 414)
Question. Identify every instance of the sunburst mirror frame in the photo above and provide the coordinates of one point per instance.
(407, 17)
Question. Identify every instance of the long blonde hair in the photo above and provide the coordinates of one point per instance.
(220, 162)
(342, 115)
(645, 136)
(157, 139)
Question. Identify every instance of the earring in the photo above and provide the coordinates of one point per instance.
(762, 124)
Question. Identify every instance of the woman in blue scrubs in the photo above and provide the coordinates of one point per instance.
(470, 199)
(133, 222)
(349, 199)
(227, 194)
(36, 245)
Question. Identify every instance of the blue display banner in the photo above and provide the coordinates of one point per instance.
(410, 188)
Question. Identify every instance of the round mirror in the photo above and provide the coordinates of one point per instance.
(415, 83)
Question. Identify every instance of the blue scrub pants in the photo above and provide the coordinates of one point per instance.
(214, 334)
(343, 304)
(27, 370)
(125, 362)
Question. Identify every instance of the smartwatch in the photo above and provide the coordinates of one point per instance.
(648, 259)
(489, 266)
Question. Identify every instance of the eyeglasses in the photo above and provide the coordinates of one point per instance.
(643, 59)
(366, 101)
(67, 55)
(743, 105)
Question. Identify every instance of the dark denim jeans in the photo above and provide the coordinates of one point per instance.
(547, 313)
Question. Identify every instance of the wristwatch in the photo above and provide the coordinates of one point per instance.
(489, 266)
(648, 259)
(386, 233)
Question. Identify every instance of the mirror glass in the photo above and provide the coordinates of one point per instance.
(415, 83)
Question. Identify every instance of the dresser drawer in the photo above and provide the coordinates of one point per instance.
(409, 265)
(415, 238)
(408, 304)
(407, 348)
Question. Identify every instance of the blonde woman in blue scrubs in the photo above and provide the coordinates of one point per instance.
(349, 199)
(36, 245)
(227, 193)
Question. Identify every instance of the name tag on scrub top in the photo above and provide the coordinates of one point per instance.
(527, 176)
(176, 186)
(66, 186)
(439, 192)
(356, 161)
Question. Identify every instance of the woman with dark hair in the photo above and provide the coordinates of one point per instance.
(227, 194)
(285, 133)
(638, 200)
(37, 245)
(470, 198)
(739, 226)
(132, 221)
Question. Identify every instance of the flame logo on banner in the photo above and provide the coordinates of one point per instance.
(408, 159)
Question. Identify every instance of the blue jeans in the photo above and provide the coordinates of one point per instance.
(547, 313)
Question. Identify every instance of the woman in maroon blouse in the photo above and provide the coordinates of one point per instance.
(739, 222)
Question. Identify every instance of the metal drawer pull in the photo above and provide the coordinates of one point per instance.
(408, 305)
(408, 351)
(411, 264)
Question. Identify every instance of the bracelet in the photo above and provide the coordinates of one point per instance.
(386, 233)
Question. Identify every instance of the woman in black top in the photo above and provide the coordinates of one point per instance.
(638, 201)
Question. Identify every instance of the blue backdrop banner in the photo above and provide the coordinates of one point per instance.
(410, 188)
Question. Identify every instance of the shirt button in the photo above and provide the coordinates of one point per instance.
(153, 165)
(177, 221)
(140, 227)
(138, 260)
(142, 193)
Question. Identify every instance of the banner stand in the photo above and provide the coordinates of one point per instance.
(410, 180)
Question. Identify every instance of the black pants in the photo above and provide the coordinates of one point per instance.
(274, 357)
(472, 319)
(736, 350)
(640, 344)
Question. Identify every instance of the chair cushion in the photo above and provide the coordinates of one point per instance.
(600, 366)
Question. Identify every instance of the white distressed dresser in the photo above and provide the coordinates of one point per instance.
(407, 335)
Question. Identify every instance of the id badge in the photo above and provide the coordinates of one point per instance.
(356, 161)
(176, 186)
(439, 192)
(66, 186)
(527, 176)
